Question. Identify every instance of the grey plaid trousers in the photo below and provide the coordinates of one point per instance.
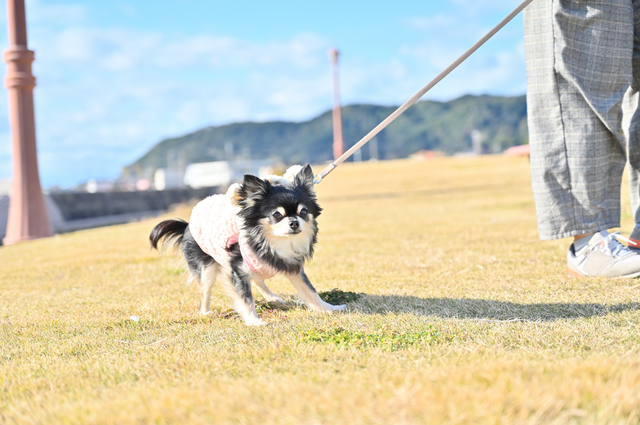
(583, 78)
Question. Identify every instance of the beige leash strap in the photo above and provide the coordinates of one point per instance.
(318, 178)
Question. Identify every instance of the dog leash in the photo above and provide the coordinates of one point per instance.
(318, 178)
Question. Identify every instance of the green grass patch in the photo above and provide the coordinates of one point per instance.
(388, 340)
(338, 297)
(264, 306)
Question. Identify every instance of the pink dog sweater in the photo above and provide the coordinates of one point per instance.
(214, 227)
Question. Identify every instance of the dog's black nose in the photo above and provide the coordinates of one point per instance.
(294, 224)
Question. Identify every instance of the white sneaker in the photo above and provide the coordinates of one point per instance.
(603, 256)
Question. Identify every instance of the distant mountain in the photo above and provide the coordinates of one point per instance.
(427, 125)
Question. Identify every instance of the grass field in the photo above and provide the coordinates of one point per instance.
(462, 316)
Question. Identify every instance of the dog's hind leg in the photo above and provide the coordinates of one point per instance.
(266, 292)
(238, 285)
(207, 279)
(202, 267)
(309, 295)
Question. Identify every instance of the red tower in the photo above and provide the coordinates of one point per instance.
(27, 214)
(338, 145)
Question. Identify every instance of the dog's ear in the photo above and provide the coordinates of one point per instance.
(291, 173)
(252, 188)
(233, 194)
(304, 179)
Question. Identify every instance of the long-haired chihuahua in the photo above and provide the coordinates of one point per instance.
(260, 228)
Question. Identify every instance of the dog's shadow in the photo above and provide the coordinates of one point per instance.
(465, 308)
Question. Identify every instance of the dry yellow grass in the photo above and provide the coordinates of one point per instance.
(448, 246)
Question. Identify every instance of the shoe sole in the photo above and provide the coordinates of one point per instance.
(573, 273)
(578, 273)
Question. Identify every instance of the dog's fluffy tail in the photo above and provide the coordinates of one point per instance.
(169, 232)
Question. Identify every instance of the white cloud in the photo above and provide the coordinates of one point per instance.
(122, 49)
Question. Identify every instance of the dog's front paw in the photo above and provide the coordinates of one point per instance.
(324, 307)
(275, 299)
(255, 322)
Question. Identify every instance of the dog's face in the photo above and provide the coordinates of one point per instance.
(283, 216)
(287, 219)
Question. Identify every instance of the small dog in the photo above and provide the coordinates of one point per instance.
(262, 227)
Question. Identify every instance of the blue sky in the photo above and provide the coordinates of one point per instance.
(115, 77)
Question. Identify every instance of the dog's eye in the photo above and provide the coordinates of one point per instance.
(277, 215)
(303, 213)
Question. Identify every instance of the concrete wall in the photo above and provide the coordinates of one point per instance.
(75, 211)
(4, 210)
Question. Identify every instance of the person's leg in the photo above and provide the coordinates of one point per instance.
(579, 61)
(578, 56)
(631, 125)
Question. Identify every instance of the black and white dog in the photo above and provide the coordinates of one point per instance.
(260, 228)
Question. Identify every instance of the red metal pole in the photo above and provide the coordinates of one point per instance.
(338, 145)
(27, 214)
